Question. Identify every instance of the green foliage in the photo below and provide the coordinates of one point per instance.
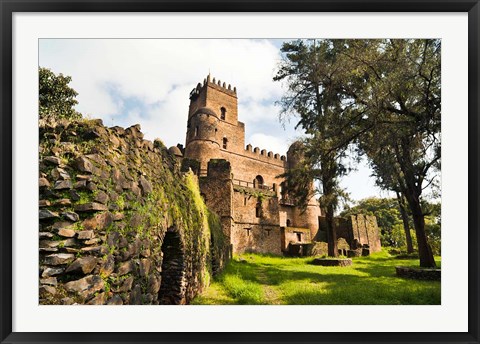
(56, 99)
(307, 69)
(381, 97)
(259, 279)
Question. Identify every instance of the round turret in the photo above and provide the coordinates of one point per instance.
(202, 142)
(295, 153)
(307, 217)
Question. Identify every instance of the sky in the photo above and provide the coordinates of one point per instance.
(148, 81)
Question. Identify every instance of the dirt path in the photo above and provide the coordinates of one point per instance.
(271, 295)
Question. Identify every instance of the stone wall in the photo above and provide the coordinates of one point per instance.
(119, 223)
(360, 229)
(295, 235)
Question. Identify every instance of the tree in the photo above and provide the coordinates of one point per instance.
(382, 95)
(307, 69)
(395, 84)
(56, 99)
(387, 175)
(406, 225)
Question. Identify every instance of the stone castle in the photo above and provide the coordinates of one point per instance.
(121, 223)
(242, 185)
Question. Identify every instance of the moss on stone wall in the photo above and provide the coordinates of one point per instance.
(107, 199)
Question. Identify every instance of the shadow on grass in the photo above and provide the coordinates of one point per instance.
(370, 281)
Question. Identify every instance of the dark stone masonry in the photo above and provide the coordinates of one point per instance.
(119, 223)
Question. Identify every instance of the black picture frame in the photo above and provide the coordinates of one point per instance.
(8, 7)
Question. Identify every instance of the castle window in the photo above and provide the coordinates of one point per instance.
(258, 210)
(248, 231)
(216, 132)
(299, 236)
(289, 223)
(196, 130)
(258, 182)
(244, 200)
(223, 113)
(225, 142)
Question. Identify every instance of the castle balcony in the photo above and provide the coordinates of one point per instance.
(248, 187)
(252, 185)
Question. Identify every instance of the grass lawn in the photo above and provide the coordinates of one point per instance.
(268, 280)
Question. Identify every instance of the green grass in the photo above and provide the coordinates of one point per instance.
(262, 279)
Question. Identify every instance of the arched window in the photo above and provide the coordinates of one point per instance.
(223, 113)
(196, 130)
(258, 209)
(258, 182)
(289, 223)
(225, 142)
(283, 190)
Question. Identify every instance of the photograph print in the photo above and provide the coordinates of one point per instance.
(239, 171)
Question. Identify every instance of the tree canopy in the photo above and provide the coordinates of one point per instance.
(381, 96)
(56, 98)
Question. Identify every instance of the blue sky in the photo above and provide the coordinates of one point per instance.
(147, 81)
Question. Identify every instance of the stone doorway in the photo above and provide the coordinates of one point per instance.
(173, 283)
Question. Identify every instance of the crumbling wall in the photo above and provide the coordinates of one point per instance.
(118, 222)
(356, 230)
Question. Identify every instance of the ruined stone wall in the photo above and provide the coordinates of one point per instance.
(344, 229)
(358, 228)
(373, 233)
(217, 191)
(256, 221)
(256, 238)
(119, 223)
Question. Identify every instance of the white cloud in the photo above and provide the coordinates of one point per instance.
(147, 81)
(160, 74)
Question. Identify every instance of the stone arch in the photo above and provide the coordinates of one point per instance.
(173, 283)
(258, 182)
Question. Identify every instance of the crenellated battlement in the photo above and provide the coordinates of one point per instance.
(262, 153)
(214, 83)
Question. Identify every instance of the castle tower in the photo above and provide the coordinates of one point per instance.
(213, 124)
(308, 218)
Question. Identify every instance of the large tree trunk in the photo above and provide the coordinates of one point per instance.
(424, 252)
(331, 232)
(406, 227)
(412, 189)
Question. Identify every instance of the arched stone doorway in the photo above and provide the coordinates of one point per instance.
(173, 284)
